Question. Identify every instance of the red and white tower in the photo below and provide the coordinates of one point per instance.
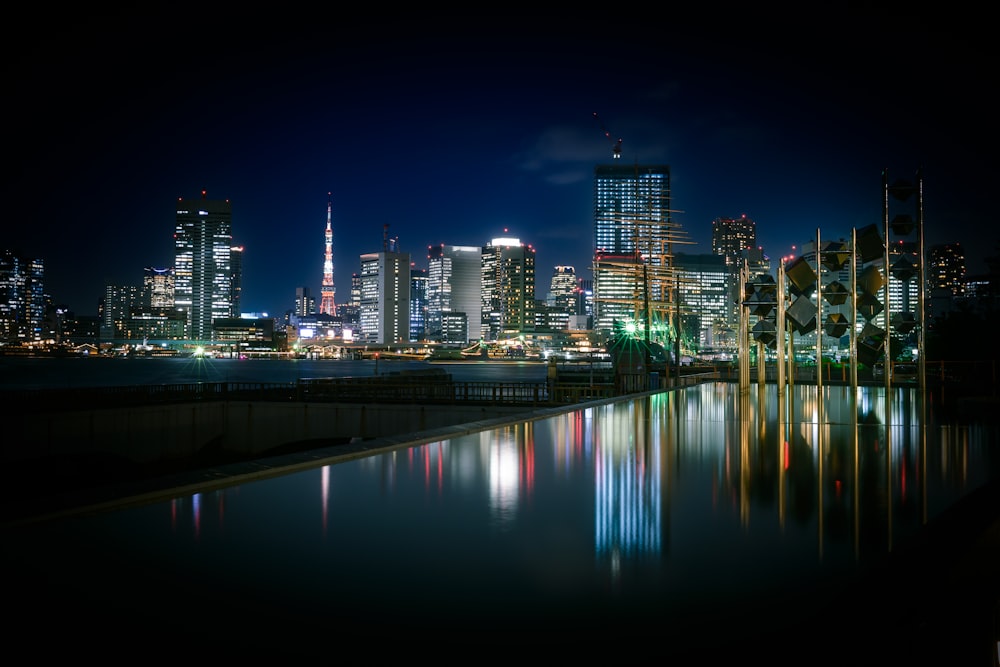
(327, 305)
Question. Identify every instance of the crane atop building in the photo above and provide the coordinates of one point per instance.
(616, 146)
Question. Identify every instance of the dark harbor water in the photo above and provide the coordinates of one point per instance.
(42, 372)
(701, 519)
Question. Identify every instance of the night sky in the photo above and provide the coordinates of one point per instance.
(461, 128)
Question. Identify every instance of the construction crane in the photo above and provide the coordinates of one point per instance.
(616, 146)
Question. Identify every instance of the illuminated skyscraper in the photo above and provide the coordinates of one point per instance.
(454, 286)
(328, 304)
(203, 245)
(562, 298)
(731, 236)
(22, 297)
(158, 285)
(634, 239)
(385, 296)
(508, 292)
(418, 304)
(946, 268)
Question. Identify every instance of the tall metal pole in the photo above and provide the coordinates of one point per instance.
(819, 314)
(886, 356)
(922, 276)
(853, 351)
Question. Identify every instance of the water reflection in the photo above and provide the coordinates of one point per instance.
(693, 507)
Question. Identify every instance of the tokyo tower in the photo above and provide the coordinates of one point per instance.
(327, 305)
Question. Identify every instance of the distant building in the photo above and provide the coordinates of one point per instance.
(244, 335)
(508, 288)
(634, 234)
(705, 301)
(561, 300)
(203, 257)
(158, 288)
(236, 278)
(732, 236)
(305, 303)
(120, 301)
(454, 285)
(22, 298)
(418, 304)
(946, 268)
(385, 297)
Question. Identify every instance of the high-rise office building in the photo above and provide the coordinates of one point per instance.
(705, 302)
(946, 268)
(634, 239)
(731, 236)
(385, 296)
(203, 263)
(418, 304)
(328, 293)
(561, 300)
(120, 302)
(508, 288)
(305, 303)
(158, 285)
(454, 285)
(236, 278)
(22, 297)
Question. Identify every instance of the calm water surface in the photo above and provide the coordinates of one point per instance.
(682, 516)
(84, 372)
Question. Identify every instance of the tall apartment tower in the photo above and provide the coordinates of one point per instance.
(385, 296)
(236, 275)
(508, 292)
(418, 304)
(634, 238)
(203, 287)
(454, 286)
(328, 304)
(22, 297)
(946, 268)
(158, 286)
(731, 236)
(562, 299)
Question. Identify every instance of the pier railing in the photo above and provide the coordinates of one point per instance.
(347, 390)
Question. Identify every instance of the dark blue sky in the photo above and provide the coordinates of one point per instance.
(452, 128)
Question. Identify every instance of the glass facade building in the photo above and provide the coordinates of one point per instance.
(634, 239)
(203, 252)
(508, 288)
(454, 285)
(385, 298)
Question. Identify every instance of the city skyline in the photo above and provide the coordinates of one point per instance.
(479, 135)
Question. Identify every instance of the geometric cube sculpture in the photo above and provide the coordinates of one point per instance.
(764, 332)
(871, 333)
(801, 315)
(901, 190)
(801, 276)
(760, 305)
(903, 322)
(903, 269)
(870, 281)
(869, 242)
(835, 293)
(835, 255)
(869, 306)
(836, 325)
(870, 344)
(761, 295)
(902, 224)
(869, 355)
